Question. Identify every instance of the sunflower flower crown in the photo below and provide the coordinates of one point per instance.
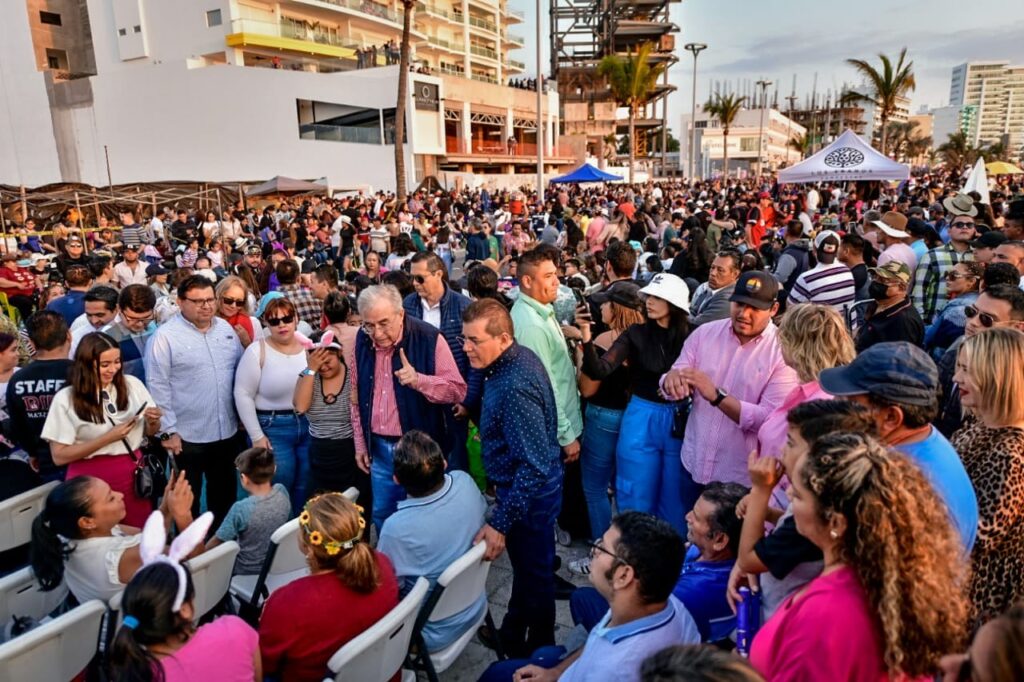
(318, 539)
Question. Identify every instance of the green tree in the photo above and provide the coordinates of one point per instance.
(632, 79)
(802, 144)
(403, 93)
(996, 151)
(887, 84)
(724, 109)
(958, 152)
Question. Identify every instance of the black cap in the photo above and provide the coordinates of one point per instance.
(989, 240)
(757, 289)
(605, 295)
(896, 371)
(156, 269)
(625, 294)
(1016, 211)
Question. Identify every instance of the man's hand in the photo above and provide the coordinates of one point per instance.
(741, 506)
(675, 386)
(460, 411)
(495, 542)
(571, 333)
(173, 444)
(765, 472)
(363, 461)
(407, 375)
(535, 673)
(572, 451)
(700, 382)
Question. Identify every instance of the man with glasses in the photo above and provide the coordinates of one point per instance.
(997, 306)
(890, 317)
(133, 327)
(930, 276)
(521, 453)
(405, 378)
(190, 371)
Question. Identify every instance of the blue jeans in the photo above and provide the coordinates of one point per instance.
(648, 464)
(504, 671)
(289, 438)
(597, 464)
(386, 493)
(530, 621)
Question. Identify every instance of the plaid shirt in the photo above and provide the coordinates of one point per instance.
(309, 308)
(930, 278)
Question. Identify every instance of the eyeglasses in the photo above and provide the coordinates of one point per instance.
(201, 302)
(132, 318)
(963, 224)
(987, 321)
(953, 276)
(285, 319)
(596, 547)
(463, 340)
(237, 302)
(370, 328)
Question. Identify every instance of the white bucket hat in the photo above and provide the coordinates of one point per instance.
(669, 288)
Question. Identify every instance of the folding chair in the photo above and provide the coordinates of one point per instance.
(20, 595)
(377, 654)
(458, 588)
(58, 650)
(17, 514)
(9, 309)
(211, 575)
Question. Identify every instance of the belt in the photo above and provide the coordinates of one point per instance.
(274, 413)
(390, 439)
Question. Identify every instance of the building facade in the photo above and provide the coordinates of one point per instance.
(995, 90)
(744, 135)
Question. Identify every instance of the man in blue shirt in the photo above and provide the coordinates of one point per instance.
(899, 383)
(434, 526)
(519, 436)
(71, 305)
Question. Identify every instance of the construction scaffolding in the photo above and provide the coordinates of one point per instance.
(585, 31)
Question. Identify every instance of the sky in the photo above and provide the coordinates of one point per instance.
(775, 39)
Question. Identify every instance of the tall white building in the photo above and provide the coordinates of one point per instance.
(996, 90)
(744, 135)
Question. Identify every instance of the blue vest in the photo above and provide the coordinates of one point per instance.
(419, 340)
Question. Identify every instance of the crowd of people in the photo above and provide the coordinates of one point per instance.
(795, 407)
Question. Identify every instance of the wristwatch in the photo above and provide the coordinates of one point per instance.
(165, 436)
(720, 395)
(306, 373)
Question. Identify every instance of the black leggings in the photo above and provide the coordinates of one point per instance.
(332, 467)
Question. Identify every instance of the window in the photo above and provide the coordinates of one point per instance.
(56, 59)
(137, 29)
(52, 62)
(51, 18)
(213, 18)
(122, 31)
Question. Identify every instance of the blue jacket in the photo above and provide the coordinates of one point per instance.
(477, 247)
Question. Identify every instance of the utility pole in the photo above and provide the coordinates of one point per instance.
(540, 113)
(763, 84)
(696, 49)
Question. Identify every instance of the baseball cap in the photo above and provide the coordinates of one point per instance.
(132, 247)
(670, 288)
(74, 239)
(625, 294)
(254, 250)
(156, 269)
(827, 241)
(893, 224)
(757, 289)
(989, 240)
(894, 269)
(764, 195)
(897, 371)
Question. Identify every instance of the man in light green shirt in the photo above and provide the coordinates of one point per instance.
(537, 329)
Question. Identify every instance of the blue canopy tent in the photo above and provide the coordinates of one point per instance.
(587, 173)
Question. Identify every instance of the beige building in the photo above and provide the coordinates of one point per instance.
(61, 38)
(996, 89)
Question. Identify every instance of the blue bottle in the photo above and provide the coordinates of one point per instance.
(748, 620)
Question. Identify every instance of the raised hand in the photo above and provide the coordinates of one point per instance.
(407, 375)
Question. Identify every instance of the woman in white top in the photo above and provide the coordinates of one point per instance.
(264, 387)
(210, 227)
(79, 537)
(97, 422)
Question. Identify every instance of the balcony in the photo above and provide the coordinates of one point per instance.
(514, 16)
(368, 8)
(489, 26)
(434, 10)
(485, 52)
(448, 70)
(496, 151)
(515, 65)
(513, 39)
(289, 36)
(483, 77)
(445, 45)
(336, 133)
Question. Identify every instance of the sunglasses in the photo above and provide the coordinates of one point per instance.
(233, 301)
(987, 321)
(963, 224)
(286, 319)
(108, 404)
(954, 276)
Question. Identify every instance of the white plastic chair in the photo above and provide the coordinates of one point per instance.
(284, 563)
(58, 650)
(211, 575)
(377, 654)
(17, 514)
(20, 595)
(458, 588)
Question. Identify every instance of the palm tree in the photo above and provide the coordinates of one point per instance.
(996, 151)
(887, 84)
(958, 152)
(725, 109)
(632, 80)
(802, 144)
(403, 90)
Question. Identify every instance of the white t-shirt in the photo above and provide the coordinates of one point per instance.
(269, 388)
(64, 426)
(91, 570)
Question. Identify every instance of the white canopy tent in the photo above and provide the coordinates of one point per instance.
(848, 158)
(977, 181)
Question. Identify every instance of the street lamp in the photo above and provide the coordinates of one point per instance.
(695, 48)
(760, 135)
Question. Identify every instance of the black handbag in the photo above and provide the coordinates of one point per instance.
(149, 478)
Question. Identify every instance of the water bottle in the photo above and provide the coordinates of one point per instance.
(748, 620)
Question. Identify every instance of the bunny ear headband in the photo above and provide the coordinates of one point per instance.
(326, 341)
(154, 538)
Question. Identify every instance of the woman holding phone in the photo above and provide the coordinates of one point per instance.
(97, 422)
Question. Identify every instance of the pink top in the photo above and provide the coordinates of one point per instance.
(899, 252)
(224, 650)
(715, 447)
(826, 632)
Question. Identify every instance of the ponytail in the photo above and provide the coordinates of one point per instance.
(57, 523)
(358, 569)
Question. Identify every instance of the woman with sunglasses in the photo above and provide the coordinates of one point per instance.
(962, 284)
(264, 388)
(991, 444)
(97, 422)
(233, 306)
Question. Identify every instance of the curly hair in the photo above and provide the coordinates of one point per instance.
(814, 337)
(901, 544)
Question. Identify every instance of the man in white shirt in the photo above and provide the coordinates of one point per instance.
(100, 310)
(130, 270)
(813, 201)
(156, 225)
(892, 235)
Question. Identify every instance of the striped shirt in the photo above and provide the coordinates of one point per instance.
(830, 285)
(333, 421)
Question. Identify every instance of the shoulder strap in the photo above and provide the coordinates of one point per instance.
(263, 353)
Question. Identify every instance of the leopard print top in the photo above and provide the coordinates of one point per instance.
(994, 460)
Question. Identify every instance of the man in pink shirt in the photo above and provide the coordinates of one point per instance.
(735, 373)
(892, 236)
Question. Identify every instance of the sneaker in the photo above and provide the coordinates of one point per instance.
(580, 566)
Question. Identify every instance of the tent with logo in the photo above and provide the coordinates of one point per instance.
(587, 173)
(848, 158)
